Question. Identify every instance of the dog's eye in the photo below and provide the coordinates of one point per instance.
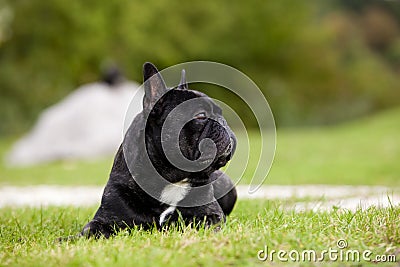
(200, 116)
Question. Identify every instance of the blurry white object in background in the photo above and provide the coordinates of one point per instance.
(87, 124)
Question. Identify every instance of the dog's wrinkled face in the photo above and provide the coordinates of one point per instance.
(193, 117)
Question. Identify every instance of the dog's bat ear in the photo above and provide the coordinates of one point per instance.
(154, 86)
(183, 84)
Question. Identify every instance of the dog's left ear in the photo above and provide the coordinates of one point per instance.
(183, 84)
(154, 86)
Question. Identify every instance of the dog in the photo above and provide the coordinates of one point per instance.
(145, 188)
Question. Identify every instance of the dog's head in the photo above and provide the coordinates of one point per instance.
(182, 122)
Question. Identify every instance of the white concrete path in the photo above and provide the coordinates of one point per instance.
(321, 197)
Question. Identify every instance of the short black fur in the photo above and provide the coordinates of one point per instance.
(141, 160)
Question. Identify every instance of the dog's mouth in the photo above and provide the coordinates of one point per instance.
(207, 161)
(228, 149)
(226, 155)
(220, 160)
(222, 139)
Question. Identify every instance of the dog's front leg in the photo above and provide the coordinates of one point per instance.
(96, 229)
(207, 216)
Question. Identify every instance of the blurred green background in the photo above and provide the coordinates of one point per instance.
(317, 62)
(331, 63)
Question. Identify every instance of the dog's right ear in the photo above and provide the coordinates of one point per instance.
(183, 84)
(154, 86)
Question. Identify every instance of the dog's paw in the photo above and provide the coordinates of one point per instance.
(95, 229)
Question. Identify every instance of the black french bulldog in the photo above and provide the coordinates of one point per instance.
(145, 189)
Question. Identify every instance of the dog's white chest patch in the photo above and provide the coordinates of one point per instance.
(173, 193)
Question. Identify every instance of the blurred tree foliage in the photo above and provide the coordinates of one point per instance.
(312, 59)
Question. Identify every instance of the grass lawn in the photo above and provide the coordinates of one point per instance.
(362, 152)
(366, 152)
(27, 238)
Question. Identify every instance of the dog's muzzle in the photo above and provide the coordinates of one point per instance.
(228, 149)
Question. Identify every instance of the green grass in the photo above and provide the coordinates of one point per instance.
(361, 152)
(93, 172)
(27, 237)
(366, 152)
